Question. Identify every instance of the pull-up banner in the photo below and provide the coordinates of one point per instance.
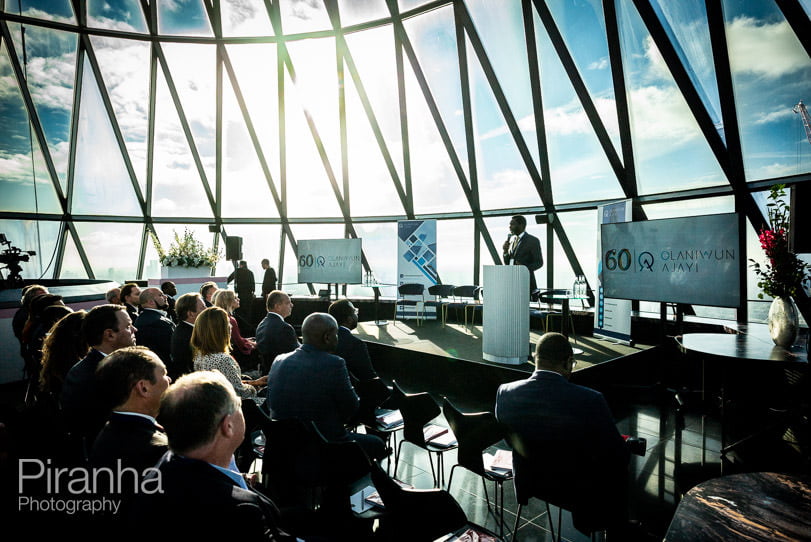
(693, 260)
(416, 261)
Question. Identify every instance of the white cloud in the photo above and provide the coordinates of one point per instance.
(599, 64)
(774, 115)
(775, 169)
(764, 50)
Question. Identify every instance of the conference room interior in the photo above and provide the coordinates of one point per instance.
(257, 127)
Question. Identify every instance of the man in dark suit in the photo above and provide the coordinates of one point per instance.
(521, 248)
(245, 288)
(132, 379)
(269, 280)
(154, 327)
(274, 336)
(312, 384)
(130, 295)
(350, 348)
(576, 452)
(170, 290)
(188, 306)
(106, 328)
(203, 419)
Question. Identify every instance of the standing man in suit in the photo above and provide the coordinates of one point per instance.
(154, 327)
(274, 336)
(350, 348)
(170, 290)
(106, 328)
(312, 384)
(188, 306)
(576, 452)
(245, 288)
(521, 248)
(269, 280)
(130, 294)
(203, 418)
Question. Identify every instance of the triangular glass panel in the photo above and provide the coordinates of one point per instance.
(577, 162)
(177, 189)
(685, 23)
(372, 51)
(435, 183)
(25, 183)
(316, 90)
(193, 71)
(434, 42)
(582, 26)
(670, 150)
(125, 15)
(245, 18)
(124, 65)
(102, 185)
(32, 236)
(245, 190)
(51, 10)
(503, 175)
(771, 74)
(309, 191)
(186, 18)
(50, 69)
(111, 248)
(260, 92)
(259, 241)
(372, 189)
(298, 16)
(72, 266)
(379, 244)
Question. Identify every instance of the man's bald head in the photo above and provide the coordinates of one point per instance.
(554, 353)
(321, 331)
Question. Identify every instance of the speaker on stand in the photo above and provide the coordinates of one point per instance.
(233, 248)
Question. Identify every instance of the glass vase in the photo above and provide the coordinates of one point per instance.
(783, 321)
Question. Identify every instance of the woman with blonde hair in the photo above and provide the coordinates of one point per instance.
(211, 343)
(243, 348)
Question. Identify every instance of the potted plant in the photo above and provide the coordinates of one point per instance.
(186, 255)
(783, 274)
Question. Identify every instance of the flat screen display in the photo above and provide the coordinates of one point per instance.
(330, 261)
(692, 260)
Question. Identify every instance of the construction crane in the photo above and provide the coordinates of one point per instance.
(800, 108)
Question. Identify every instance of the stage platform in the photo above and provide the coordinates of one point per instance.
(462, 342)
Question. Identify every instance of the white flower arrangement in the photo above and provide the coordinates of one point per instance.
(185, 251)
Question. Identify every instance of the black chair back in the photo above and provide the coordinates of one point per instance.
(417, 409)
(372, 394)
(475, 432)
(441, 290)
(411, 289)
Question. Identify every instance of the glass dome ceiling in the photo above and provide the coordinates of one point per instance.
(281, 120)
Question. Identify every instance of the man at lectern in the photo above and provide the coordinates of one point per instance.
(521, 248)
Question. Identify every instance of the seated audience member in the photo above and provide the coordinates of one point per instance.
(188, 306)
(242, 348)
(201, 498)
(274, 336)
(21, 315)
(106, 328)
(44, 310)
(63, 348)
(154, 327)
(130, 298)
(207, 290)
(133, 380)
(351, 348)
(113, 296)
(170, 290)
(577, 454)
(211, 342)
(312, 384)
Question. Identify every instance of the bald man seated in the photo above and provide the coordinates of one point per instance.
(313, 384)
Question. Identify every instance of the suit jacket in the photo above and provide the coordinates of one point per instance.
(182, 358)
(268, 282)
(133, 311)
(244, 283)
(137, 441)
(355, 354)
(274, 336)
(83, 405)
(312, 385)
(199, 502)
(155, 332)
(577, 452)
(527, 253)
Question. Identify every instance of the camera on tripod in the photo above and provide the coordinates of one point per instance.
(10, 258)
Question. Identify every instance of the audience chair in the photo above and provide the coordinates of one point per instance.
(546, 296)
(475, 433)
(374, 394)
(418, 409)
(413, 291)
(442, 295)
(246, 453)
(467, 298)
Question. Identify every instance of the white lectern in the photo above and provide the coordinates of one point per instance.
(506, 314)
